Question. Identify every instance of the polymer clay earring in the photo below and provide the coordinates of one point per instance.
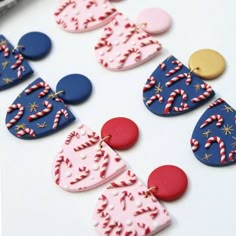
(84, 15)
(125, 45)
(213, 140)
(173, 89)
(39, 111)
(13, 66)
(128, 207)
(87, 160)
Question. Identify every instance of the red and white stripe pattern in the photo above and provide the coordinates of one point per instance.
(64, 6)
(132, 31)
(5, 50)
(19, 59)
(179, 77)
(221, 146)
(205, 95)
(212, 118)
(128, 53)
(104, 43)
(58, 116)
(131, 232)
(71, 136)
(76, 22)
(153, 212)
(62, 22)
(108, 32)
(107, 14)
(112, 226)
(59, 161)
(172, 97)
(183, 107)
(195, 144)
(231, 155)
(25, 131)
(105, 164)
(162, 66)
(125, 195)
(106, 217)
(145, 193)
(147, 230)
(216, 103)
(91, 3)
(84, 174)
(174, 70)
(144, 36)
(88, 21)
(20, 71)
(38, 86)
(124, 183)
(103, 205)
(93, 138)
(154, 98)
(17, 116)
(151, 42)
(42, 113)
(104, 63)
(151, 83)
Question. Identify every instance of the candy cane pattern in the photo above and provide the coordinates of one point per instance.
(133, 30)
(5, 50)
(153, 211)
(124, 196)
(128, 53)
(124, 183)
(177, 68)
(91, 3)
(172, 98)
(183, 107)
(106, 217)
(104, 43)
(59, 161)
(153, 98)
(71, 136)
(38, 86)
(76, 21)
(88, 21)
(146, 228)
(105, 64)
(93, 139)
(195, 144)
(85, 172)
(107, 14)
(42, 113)
(17, 116)
(20, 71)
(131, 233)
(221, 146)
(150, 84)
(162, 66)
(150, 42)
(144, 36)
(104, 166)
(216, 103)
(64, 6)
(112, 226)
(179, 77)
(100, 153)
(212, 118)
(108, 32)
(25, 131)
(231, 155)
(62, 22)
(205, 95)
(58, 116)
(104, 204)
(19, 59)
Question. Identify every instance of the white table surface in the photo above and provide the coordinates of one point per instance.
(33, 205)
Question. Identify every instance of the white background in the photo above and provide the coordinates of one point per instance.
(33, 205)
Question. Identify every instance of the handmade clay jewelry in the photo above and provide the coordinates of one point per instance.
(173, 89)
(128, 207)
(213, 140)
(125, 45)
(13, 66)
(87, 160)
(38, 111)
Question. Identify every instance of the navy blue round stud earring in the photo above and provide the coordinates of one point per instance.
(39, 111)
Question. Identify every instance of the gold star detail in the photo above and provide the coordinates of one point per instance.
(21, 126)
(42, 125)
(3, 43)
(7, 80)
(207, 133)
(228, 108)
(5, 64)
(207, 156)
(234, 143)
(197, 87)
(33, 107)
(227, 129)
(158, 88)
